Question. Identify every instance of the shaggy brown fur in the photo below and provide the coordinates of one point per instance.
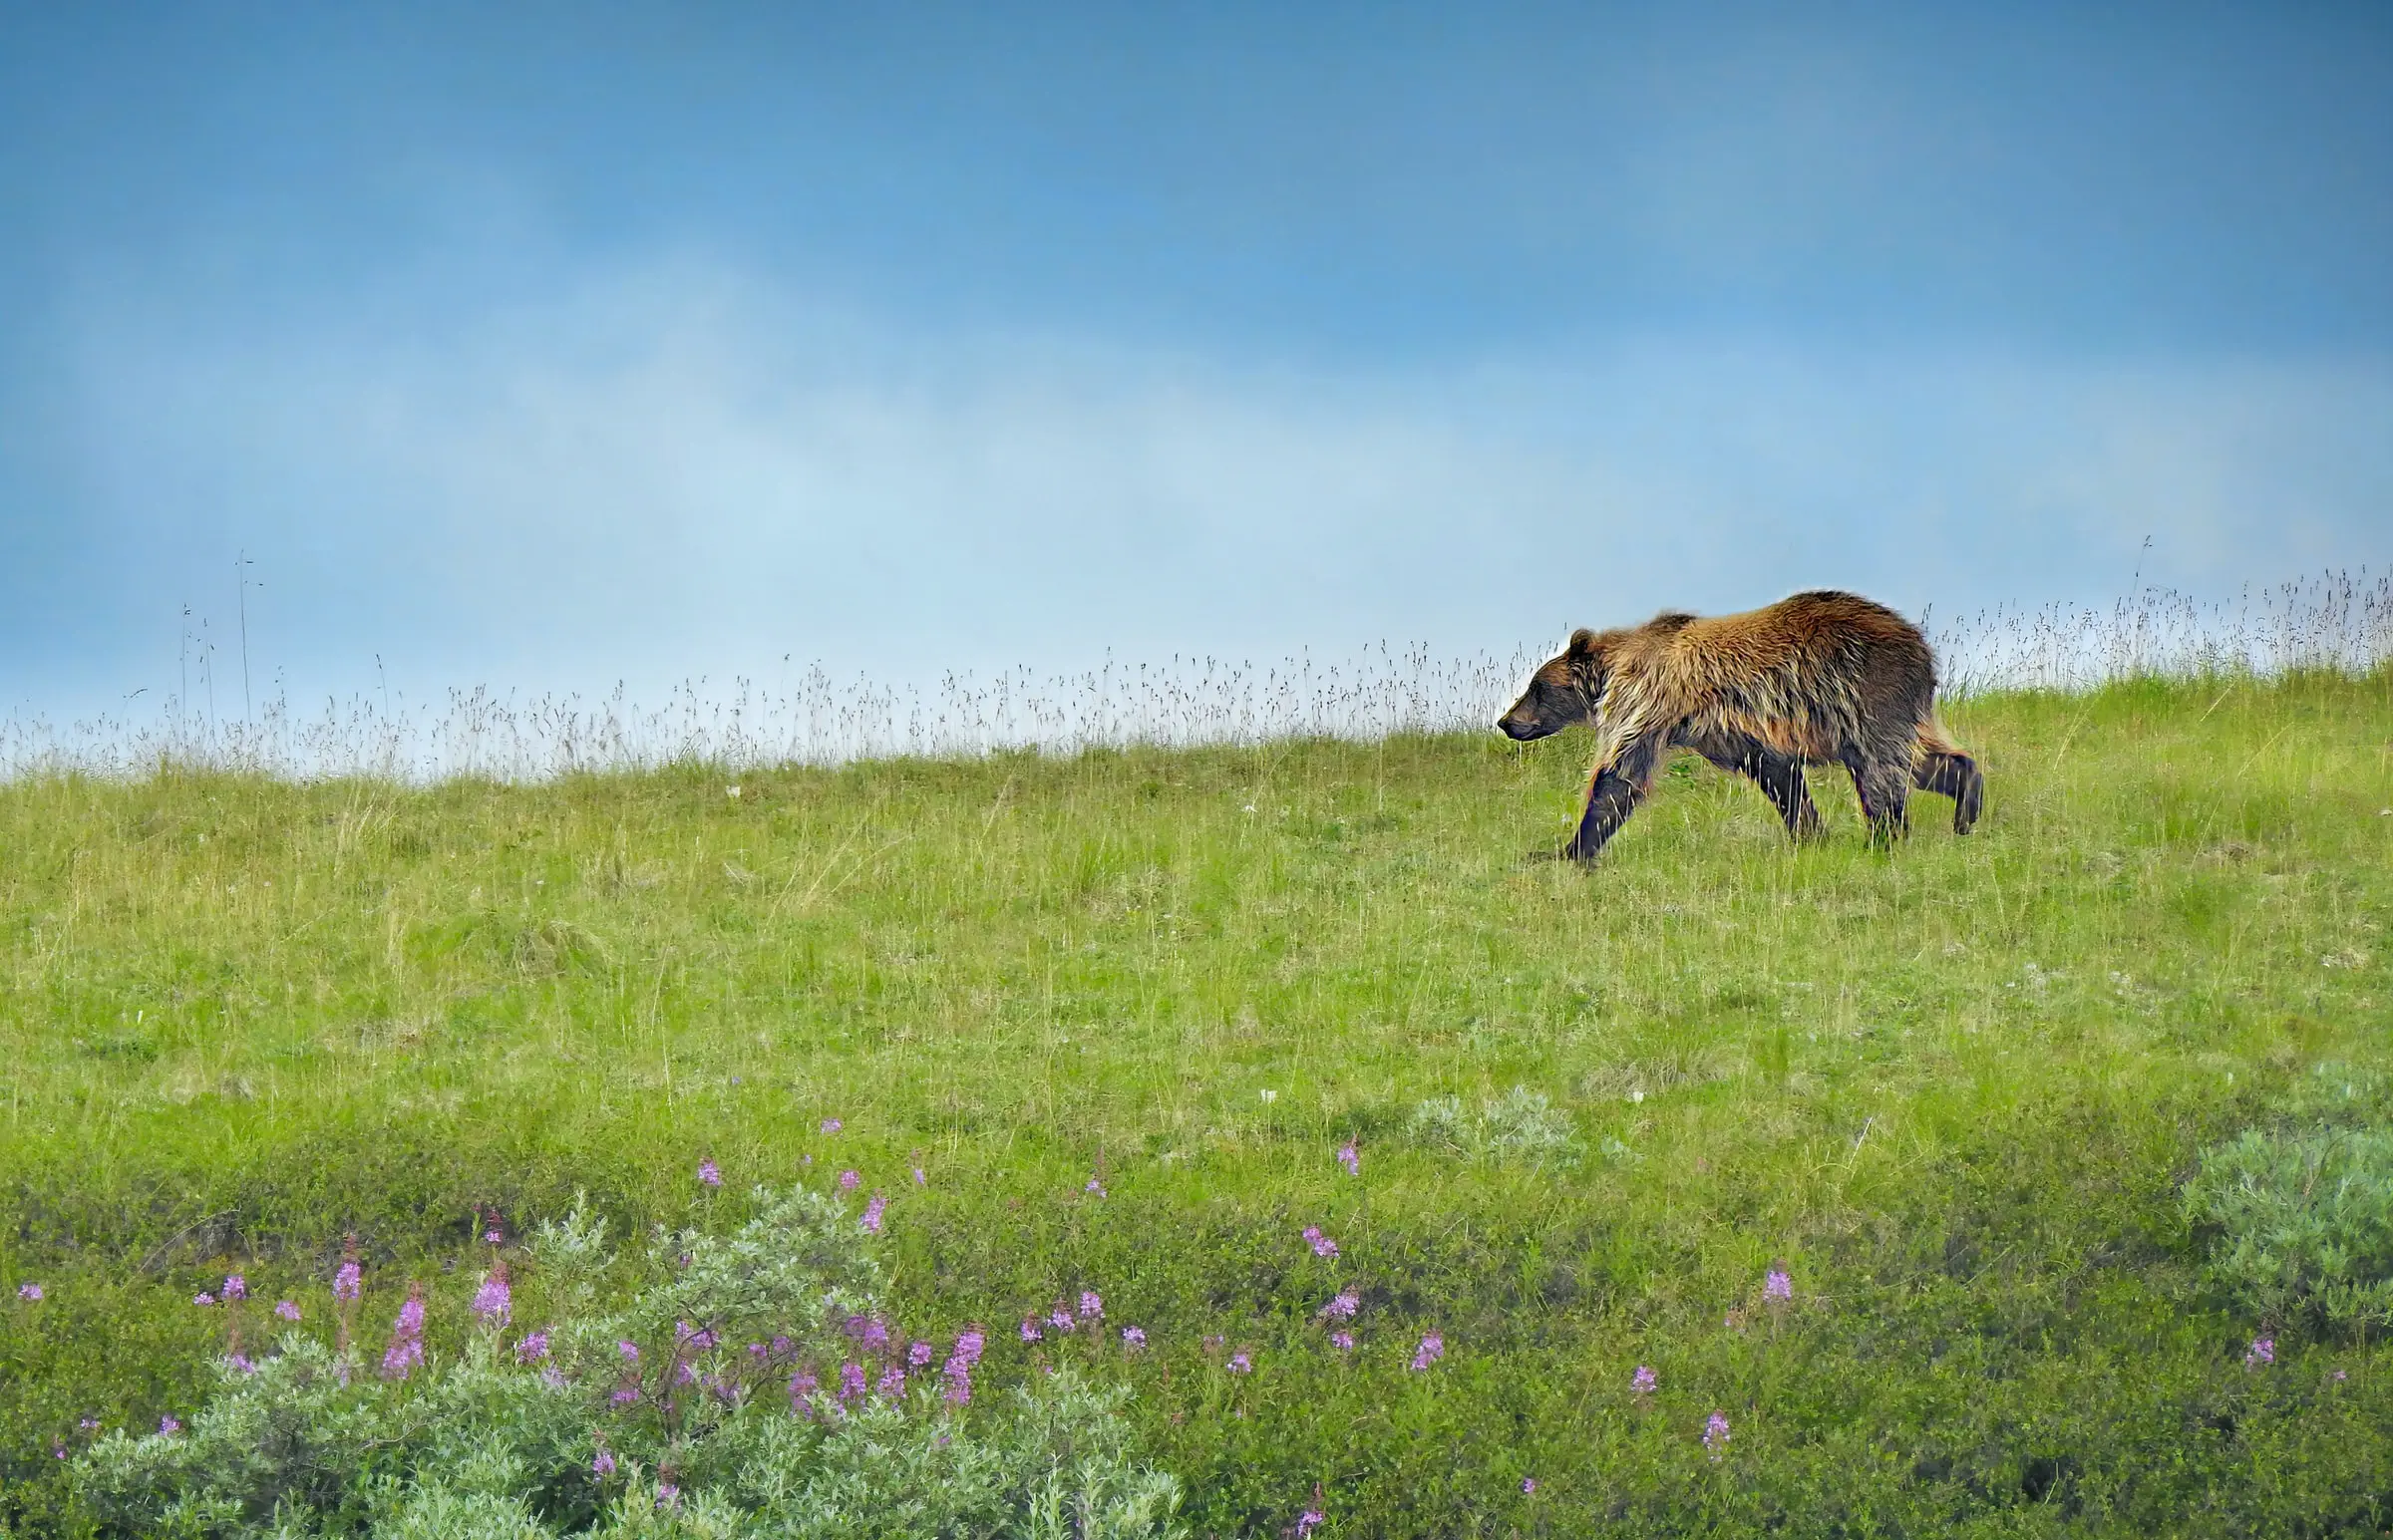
(1821, 678)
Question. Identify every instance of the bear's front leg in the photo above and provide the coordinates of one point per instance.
(1613, 795)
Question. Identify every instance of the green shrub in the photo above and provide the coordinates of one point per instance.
(2307, 1220)
(696, 1410)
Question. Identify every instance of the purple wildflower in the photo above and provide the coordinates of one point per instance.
(959, 1381)
(1322, 1244)
(1644, 1380)
(892, 1384)
(1343, 1341)
(1095, 1187)
(28, 1292)
(345, 1282)
(692, 1337)
(871, 1223)
(494, 1302)
(1528, 1486)
(2341, 1377)
(710, 1173)
(919, 1355)
(203, 1298)
(1432, 1348)
(168, 1426)
(1060, 1319)
(852, 1380)
(969, 1345)
(1133, 1337)
(921, 1180)
(236, 1287)
(286, 1309)
(400, 1357)
(801, 1389)
(495, 1235)
(629, 1350)
(1239, 1363)
(239, 1363)
(87, 1425)
(2261, 1351)
(1092, 1305)
(603, 1464)
(668, 1495)
(683, 1373)
(1350, 1158)
(1343, 1305)
(533, 1349)
(831, 1125)
(624, 1394)
(1030, 1329)
(1715, 1433)
(554, 1378)
(1307, 1521)
(849, 1180)
(1778, 1286)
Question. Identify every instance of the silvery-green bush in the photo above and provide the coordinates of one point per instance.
(694, 1411)
(2305, 1220)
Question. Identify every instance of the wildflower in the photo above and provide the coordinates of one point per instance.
(603, 1464)
(969, 1345)
(1778, 1286)
(345, 1282)
(802, 1390)
(1308, 1521)
(1239, 1363)
(1645, 1381)
(1095, 1187)
(921, 1180)
(959, 1381)
(668, 1495)
(871, 1332)
(871, 1223)
(1030, 1329)
(1092, 1305)
(624, 1394)
(848, 1181)
(1322, 1244)
(1343, 1341)
(683, 1373)
(696, 1339)
(1060, 1319)
(1715, 1433)
(87, 1425)
(286, 1309)
(2261, 1351)
(1133, 1337)
(892, 1384)
(1432, 1348)
(852, 1380)
(710, 1173)
(494, 1302)
(1351, 1158)
(203, 1298)
(831, 1125)
(1343, 1305)
(28, 1292)
(1528, 1486)
(2341, 1377)
(239, 1363)
(533, 1349)
(236, 1287)
(168, 1426)
(554, 1378)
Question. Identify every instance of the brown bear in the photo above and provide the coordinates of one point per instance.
(1820, 678)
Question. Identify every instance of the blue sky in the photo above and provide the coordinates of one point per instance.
(553, 346)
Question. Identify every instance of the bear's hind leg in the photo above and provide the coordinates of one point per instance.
(1883, 786)
(1949, 772)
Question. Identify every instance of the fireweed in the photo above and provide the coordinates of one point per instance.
(483, 1441)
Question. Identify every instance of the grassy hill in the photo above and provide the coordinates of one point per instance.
(1953, 1092)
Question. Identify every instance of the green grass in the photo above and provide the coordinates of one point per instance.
(1954, 1089)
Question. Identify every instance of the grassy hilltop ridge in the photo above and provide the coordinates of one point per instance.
(1954, 1092)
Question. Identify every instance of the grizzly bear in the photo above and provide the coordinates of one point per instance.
(1821, 678)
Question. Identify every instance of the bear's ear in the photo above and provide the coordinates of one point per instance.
(1582, 643)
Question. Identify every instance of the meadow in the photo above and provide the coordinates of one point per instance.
(1743, 1188)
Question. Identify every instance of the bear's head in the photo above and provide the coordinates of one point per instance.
(1566, 689)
